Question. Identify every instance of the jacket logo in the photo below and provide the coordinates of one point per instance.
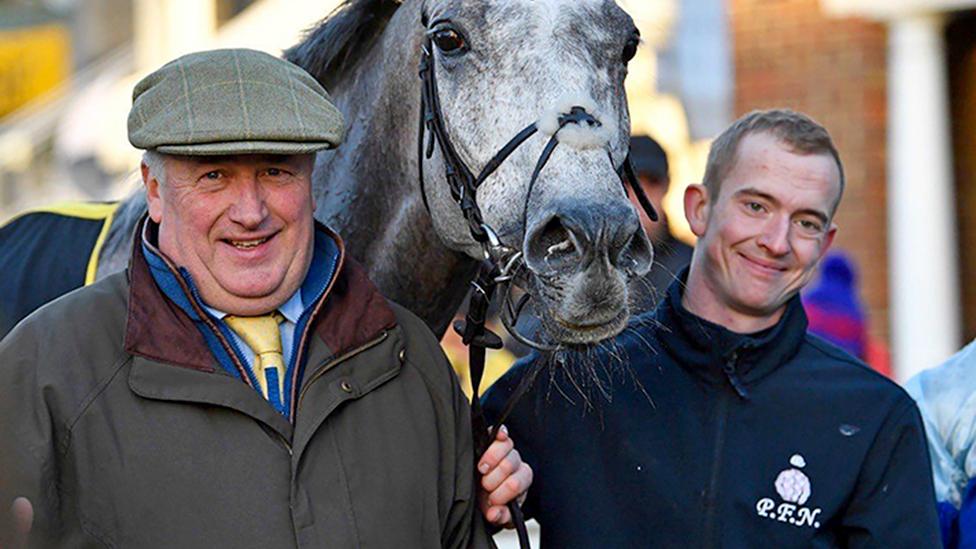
(793, 488)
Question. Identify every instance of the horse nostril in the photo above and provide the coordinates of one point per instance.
(626, 262)
(566, 246)
(634, 255)
(575, 236)
(551, 246)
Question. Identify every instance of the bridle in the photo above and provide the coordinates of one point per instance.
(501, 263)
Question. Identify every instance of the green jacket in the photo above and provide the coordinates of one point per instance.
(117, 425)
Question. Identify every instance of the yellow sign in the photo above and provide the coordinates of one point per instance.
(33, 60)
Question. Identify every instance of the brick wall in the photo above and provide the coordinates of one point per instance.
(961, 53)
(788, 53)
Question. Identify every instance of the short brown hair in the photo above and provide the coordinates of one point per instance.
(799, 131)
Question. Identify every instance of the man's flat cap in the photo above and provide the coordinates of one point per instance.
(238, 101)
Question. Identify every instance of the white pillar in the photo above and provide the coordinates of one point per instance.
(924, 279)
(166, 29)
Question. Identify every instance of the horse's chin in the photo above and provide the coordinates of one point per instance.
(576, 334)
(582, 308)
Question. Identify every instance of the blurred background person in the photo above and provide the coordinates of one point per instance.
(670, 254)
(833, 307)
(835, 311)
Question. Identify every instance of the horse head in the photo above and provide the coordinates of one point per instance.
(500, 66)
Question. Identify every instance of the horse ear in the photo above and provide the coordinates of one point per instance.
(341, 39)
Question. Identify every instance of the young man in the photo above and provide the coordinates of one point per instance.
(721, 422)
(242, 384)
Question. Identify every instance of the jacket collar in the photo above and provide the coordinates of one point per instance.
(350, 313)
(705, 348)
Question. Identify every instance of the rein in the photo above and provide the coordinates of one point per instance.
(501, 263)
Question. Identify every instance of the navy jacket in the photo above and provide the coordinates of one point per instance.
(683, 434)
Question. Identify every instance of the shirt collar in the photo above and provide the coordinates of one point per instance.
(292, 309)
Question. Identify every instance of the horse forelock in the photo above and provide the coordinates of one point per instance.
(331, 47)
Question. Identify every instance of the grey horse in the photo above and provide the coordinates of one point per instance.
(501, 64)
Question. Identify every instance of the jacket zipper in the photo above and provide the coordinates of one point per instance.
(711, 497)
(334, 362)
(299, 353)
(318, 373)
(729, 369)
(284, 442)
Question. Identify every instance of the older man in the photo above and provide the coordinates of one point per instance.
(242, 384)
(728, 425)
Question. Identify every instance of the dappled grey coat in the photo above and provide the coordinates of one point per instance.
(115, 422)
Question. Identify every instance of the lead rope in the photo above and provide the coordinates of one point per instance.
(476, 335)
(478, 338)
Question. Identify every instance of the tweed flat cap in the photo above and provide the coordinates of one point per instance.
(233, 101)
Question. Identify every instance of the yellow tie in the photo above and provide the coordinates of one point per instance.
(263, 337)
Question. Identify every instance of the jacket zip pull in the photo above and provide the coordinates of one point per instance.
(285, 443)
(729, 369)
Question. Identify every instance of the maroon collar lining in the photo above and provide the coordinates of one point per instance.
(355, 312)
(156, 328)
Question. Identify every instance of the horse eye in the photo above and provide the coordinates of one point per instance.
(630, 50)
(449, 41)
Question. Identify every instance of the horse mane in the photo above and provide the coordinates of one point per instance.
(334, 45)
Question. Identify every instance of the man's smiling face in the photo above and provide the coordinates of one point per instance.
(241, 225)
(763, 235)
